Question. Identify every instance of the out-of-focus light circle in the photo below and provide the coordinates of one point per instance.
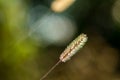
(52, 28)
(116, 11)
(61, 5)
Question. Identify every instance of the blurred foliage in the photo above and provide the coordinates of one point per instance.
(14, 51)
(22, 59)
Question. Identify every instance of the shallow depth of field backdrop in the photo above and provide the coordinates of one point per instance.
(32, 36)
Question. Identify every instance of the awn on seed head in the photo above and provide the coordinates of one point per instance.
(74, 46)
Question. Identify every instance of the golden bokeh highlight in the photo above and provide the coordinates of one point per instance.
(61, 5)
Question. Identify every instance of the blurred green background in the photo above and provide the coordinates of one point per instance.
(32, 37)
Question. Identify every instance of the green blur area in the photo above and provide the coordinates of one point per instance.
(22, 59)
(15, 52)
